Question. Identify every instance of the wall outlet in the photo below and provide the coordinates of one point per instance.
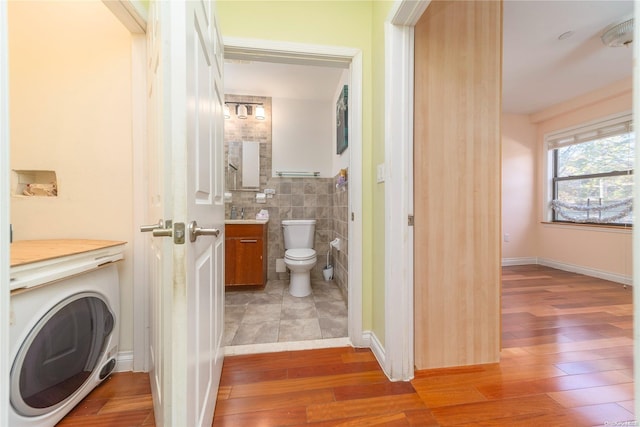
(506, 237)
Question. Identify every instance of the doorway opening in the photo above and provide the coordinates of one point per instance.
(304, 176)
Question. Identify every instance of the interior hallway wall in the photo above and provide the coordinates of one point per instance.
(70, 112)
(519, 184)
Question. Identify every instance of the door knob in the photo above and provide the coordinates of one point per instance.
(195, 231)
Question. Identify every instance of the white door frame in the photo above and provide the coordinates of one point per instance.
(133, 16)
(399, 314)
(4, 216)
(300, 53)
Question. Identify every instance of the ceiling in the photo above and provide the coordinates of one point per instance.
(288, 81)
(539, 70)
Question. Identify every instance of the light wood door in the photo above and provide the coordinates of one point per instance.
(185, 185)
(457, 163)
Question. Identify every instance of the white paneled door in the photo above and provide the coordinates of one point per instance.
(185, 165)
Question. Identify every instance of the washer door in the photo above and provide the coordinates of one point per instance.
(60, 353)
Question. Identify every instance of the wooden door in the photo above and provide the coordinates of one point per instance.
(249, 251)
(457, 163)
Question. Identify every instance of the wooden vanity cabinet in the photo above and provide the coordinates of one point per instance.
(245, 258)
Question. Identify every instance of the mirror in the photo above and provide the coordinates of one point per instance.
(247, 140)
(243, 166)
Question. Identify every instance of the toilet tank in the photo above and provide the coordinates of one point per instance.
(299, 233)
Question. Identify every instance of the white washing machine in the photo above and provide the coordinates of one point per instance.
(63, 338)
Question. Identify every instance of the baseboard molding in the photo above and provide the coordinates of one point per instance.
(124, 361)
(592, 272)
(519, 261)
(613, 277)
(377, 349)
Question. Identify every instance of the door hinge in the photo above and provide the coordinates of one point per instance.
(353, 216)
(410, 220)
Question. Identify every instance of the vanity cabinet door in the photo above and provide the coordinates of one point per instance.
(249, 257)
(246, 255)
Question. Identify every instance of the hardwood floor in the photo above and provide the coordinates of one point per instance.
(566, 361)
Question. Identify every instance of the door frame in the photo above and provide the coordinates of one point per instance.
(4, 215)
(133, 15)
(399, 270)
(309, 54)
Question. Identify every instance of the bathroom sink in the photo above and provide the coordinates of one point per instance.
(246, 221)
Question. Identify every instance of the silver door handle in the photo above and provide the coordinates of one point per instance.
(195, 231)
(148, 228)
(161, 229)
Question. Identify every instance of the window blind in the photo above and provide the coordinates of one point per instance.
(604, 129)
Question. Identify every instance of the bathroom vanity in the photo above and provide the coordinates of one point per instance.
(245, 258)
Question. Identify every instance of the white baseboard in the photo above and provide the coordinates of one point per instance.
(592, 272)
(377, 348)
(613, 277)
(519, 261)
(124, 361)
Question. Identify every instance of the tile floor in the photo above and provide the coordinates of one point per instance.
(272, 315)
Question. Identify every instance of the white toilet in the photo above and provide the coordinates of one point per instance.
(299, 255)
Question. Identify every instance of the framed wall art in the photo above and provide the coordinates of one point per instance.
(342, 119)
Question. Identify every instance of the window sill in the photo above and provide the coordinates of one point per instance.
(591, 227)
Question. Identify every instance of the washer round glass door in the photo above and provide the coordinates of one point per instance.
(60, 353)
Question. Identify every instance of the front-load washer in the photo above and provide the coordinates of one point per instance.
(63, 340)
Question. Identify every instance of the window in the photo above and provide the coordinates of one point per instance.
(592, 173)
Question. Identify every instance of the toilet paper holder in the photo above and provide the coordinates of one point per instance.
(336, 243)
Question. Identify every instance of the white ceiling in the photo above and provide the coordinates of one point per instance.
(538, 69)
(280, 80)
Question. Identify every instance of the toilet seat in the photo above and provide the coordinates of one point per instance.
(300, 254)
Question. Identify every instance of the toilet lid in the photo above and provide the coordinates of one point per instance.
(300, 254)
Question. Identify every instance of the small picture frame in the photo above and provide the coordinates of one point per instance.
(342, 120)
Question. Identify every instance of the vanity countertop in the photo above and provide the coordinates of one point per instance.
(246, 221)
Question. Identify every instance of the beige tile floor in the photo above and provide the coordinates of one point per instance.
(272, 315)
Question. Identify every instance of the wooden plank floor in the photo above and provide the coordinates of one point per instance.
(566, 361)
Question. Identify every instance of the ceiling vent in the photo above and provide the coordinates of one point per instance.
(619, 34)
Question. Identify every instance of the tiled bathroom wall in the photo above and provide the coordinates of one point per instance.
(340, 228)
(295, 198)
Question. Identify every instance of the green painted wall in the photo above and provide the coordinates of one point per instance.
(380, 14)
(356, 24)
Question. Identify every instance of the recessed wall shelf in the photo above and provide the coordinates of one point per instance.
(34, 183)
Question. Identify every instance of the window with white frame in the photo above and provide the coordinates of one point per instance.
(591, 173)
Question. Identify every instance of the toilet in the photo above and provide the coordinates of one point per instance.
(299, 256)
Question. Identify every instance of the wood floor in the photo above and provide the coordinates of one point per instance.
(566, 361)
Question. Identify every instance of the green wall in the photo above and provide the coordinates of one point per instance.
(380, 14)
(355, 24)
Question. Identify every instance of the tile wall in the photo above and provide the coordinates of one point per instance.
(295, 198)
